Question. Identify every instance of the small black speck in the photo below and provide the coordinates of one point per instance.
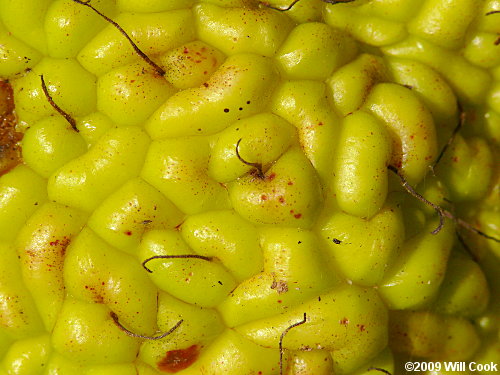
(226, 110)
(248, 102)
(319, 298)
(299, 242)
(241, 109)
(336, 241)
(220, 282)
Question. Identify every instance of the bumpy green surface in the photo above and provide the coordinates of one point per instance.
(324, 97)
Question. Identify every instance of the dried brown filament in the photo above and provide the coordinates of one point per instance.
(183, 256)
(66, 115)
(283, 334)
(257, 166)
(137, 50)
(132, 334)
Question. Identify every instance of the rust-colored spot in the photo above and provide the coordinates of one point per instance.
(263, 197)
(344, 321)
(186, 50)
(281, 199)
(97, 297)
(128, 233)
(62, 243)
(297, 216)
(290, 183)
(361, 327)
(177, 360)
(10, 150)
(272, 176)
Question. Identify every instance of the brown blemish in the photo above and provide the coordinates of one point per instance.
(280, 286)
(62, 243)
(10, 149)
(271, 177)
(97, 297)
(344, 321)
(297, 216)
(177, 360)
(128, 233)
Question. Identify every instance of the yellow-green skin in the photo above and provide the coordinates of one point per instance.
(264, 149)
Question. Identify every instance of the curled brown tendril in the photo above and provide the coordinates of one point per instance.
(412, 192)
(469, 227)
(63, 113)
(283, 334)
(461, 121)
(378, 369)
(443, 213)
(132, 334)
(184, 256)
(137, 50)
(257, 166)
(296, 1)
